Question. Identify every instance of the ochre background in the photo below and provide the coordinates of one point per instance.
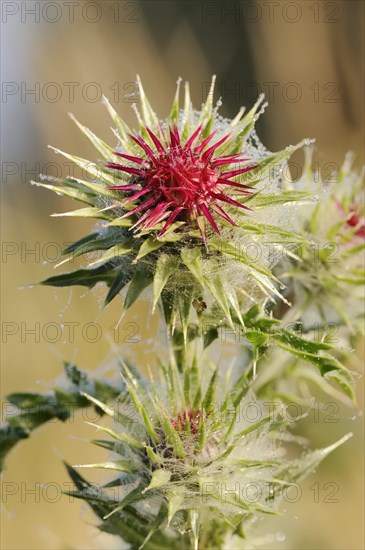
(307, 54)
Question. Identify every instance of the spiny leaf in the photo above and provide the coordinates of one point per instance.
(122, 127)
(136, 495)
(202, 435)
(313, 352)
(118, 465)
(192, 258)
(77, 194)
(186, 112)
(239, 255)
(175, 503)
(344, 379)
(256, 427)
(154, 457)
(214, 282)
(165, 267)
(209, 335)
(174, 113)
(285, 196)
(244, 127)
(99, 188)
(90, 243)
(160, 478)
(298, 469)
(232, 299)
(105, 150)
(93, 169)
(167, 301)
(141, 280)
(90, 212)
(155, 527)
(267, 286)
(120, 281)
(121, 222)
(184, 300)
(120, 249)
(207, 107)
(300, 343)
(149, 115)
(133, 389)
(270, 162)
(209, 395)
(149, 245)
(173, 437)
(124, 437)
(265, 229)
(82, 277)
(37, 409)
(100, 404)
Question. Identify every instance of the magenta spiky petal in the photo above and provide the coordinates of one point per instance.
(181, 181)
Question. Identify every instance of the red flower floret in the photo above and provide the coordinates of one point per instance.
(180, 181)
(354, 219)
(191, 417)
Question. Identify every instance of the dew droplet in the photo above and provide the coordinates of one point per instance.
(309, 141)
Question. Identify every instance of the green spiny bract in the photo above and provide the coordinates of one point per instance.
(202, 254)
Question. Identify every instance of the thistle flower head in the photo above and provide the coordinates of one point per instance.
(198, 453)
(182, 201)
(180, 180)
(327, 282)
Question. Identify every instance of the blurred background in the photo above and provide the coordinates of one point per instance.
(59, 57)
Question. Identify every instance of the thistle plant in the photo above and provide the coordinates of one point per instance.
(199, 214)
